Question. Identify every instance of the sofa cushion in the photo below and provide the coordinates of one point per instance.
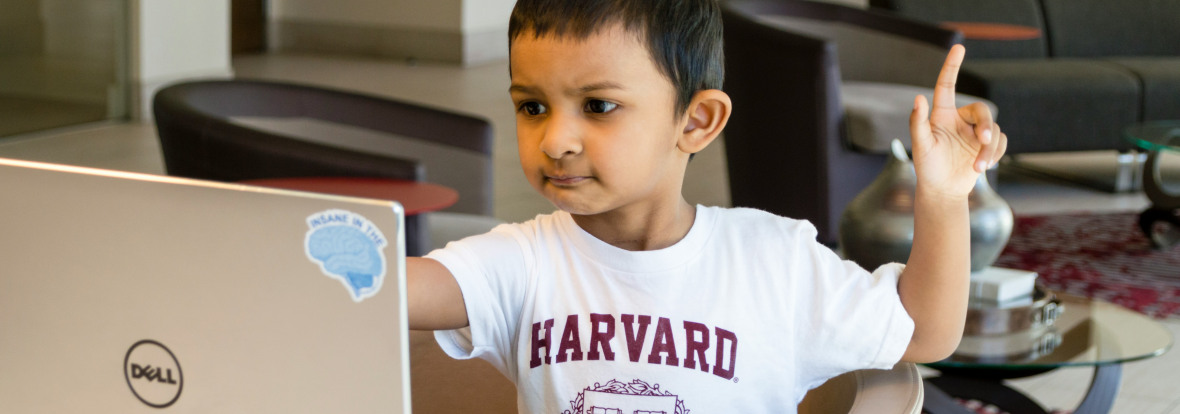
(1113, 28)
(1160, 78)
(1057, 104)
(876, 113)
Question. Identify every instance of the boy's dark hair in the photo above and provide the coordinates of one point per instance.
(682, 36)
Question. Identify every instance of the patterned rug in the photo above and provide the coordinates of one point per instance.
(1102, 256)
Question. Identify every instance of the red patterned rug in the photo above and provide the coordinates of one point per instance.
(1102, 256)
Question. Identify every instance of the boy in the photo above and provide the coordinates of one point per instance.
(630, 299)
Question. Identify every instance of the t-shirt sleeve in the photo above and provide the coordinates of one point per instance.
(855, 319)
(491, 270)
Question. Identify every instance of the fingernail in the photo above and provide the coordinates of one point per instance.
(981, 166)
(986, 136)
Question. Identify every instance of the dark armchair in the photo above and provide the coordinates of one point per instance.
(234, 130)
(807, 80)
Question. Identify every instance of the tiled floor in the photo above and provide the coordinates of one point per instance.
(1149, 387)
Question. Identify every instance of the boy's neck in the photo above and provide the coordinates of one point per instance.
(637, 229)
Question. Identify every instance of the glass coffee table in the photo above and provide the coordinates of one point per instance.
(1159, 222)
(1087, 333)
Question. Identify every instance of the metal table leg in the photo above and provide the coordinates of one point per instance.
(1153, 185)
(987, 391)
(937, 401)
(939, 391)
(1103, 389)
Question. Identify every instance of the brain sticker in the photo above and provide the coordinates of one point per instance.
(349, 248)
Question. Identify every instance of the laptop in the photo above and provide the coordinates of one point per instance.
(133, 293)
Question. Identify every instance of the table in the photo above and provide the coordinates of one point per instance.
(1088, 333)
(992, 31)
(1158, 222)
(415, 197)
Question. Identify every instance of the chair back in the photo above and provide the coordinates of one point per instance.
(232, 130)
(869, 391)
(444, 385)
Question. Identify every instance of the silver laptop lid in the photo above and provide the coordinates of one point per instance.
(129, 293)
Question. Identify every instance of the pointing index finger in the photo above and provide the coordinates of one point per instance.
(944, 91)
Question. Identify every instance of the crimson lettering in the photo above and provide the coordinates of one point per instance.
(541, 342)
(570, 341)
(634, 340)
(600, 339)
(664, 344)
(696, 347)
(722, 337)
(699, 340)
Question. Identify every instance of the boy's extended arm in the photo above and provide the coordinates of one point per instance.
(435, 301)
(952, 146)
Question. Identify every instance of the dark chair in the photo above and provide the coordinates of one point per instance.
(787, 144)
(234, 130)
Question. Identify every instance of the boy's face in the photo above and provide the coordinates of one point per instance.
(594, 122)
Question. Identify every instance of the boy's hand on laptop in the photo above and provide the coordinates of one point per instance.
(952, 146)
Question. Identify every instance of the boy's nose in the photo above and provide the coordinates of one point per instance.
(562, 138)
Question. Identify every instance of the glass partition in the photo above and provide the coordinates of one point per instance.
(62, 63)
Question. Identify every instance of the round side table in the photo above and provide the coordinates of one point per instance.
(992, 31)
(1159, 222)
(416, 198)
(1088, 333)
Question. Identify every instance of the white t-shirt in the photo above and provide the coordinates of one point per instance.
(743, 315)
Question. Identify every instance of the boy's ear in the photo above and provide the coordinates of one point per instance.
(706, 117)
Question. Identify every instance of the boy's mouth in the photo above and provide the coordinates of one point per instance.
(565, 180)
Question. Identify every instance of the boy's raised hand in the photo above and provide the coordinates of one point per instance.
(952, 146)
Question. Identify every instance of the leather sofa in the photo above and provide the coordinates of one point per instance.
(1098, 66)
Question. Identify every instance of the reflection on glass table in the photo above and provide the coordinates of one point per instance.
(1087, 333)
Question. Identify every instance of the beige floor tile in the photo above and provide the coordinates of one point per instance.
(1141, 406)
(126, 147)
(1174, 408)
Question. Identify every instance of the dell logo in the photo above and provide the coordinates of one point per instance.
(153, 373)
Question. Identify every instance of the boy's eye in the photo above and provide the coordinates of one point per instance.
(599, 106)
(532, 108)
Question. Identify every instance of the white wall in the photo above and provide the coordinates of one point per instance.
(486, 15)
(485, 30)
(174, 40)
(415, 14)
(458, 31)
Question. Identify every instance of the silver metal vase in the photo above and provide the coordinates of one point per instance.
(877, 227)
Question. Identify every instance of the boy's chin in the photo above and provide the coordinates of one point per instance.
(575, 208)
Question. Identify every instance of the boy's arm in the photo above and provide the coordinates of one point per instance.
(951, 146)
(435, 301)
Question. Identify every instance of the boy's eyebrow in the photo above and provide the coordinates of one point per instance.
(520, 88)
(599, 86)
(579, 91)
